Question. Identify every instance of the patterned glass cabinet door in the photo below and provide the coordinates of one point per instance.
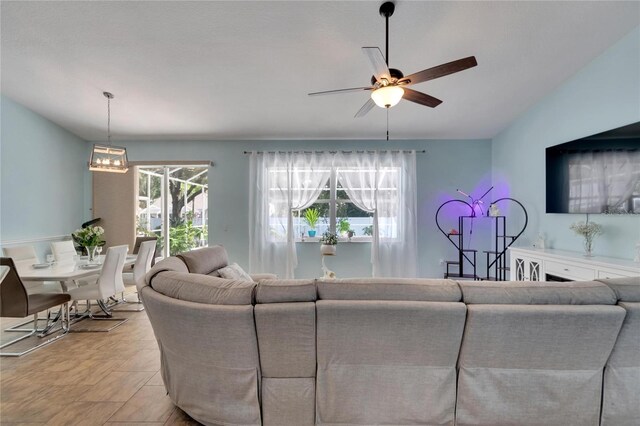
(534, 271)
(520, 269)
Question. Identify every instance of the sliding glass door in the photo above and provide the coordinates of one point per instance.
(173, 205)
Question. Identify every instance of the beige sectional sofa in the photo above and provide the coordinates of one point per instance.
(394, 351)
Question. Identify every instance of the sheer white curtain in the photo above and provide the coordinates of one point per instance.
(281, 183)
(384, 183)
(602, 180)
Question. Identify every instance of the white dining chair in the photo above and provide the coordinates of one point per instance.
(108, 284)
(142, 265)
(24, 257)
(63, 251)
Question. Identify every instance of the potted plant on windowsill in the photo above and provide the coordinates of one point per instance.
(311, 217)
(343, 226)
(328, 241)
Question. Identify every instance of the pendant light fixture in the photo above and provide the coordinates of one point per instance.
(108, 158)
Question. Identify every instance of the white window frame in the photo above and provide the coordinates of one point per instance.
(164, 191)
(333, 202)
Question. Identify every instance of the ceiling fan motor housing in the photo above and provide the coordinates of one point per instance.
(387, 9)
(396, 75)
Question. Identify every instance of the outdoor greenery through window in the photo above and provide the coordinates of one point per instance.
(173, 201)
(334, 211)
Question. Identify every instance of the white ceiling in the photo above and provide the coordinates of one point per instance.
(241, 70)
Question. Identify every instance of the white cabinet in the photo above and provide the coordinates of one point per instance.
(526, 268)
(528, 264)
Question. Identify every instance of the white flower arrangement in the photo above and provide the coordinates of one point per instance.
(90, 236)
(589, 230)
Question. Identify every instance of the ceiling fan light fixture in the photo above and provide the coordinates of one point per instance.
(387, 96)
(108, 158)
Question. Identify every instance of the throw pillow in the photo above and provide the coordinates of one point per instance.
(234, 272)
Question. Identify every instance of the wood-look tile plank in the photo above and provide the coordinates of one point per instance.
(117, 386)
(39, 411)
(180, 418)
(143, 360)
(156, 380)
(150, 404)
(85, 413)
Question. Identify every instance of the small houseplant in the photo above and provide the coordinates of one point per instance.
(343, 226)
(589, 230)
(311, 217)
(328, 241)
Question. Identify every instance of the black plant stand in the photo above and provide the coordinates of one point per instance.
(496, 258)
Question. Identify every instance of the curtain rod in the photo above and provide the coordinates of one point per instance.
(422, 151)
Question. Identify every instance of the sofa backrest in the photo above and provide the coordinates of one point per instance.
(410, 289)
(398, 335)
(375, 356)
(626, 289)
(285, 315)
(535, 363)
(622, 373)
(206, 333)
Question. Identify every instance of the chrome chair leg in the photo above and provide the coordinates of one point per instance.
(137, 306)
(41, 334)
(88, 314)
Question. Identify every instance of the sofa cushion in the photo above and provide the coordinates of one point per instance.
(167, 264)
(282, 291)
(205, 260)
(204, 289)
(536, 293)
(234, 272)
(411, 289)
(387, 362)
(288, 401)
(287, 339)
(622, 374)
(533, 364)
(627, 289)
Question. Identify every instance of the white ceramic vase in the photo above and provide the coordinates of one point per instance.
(328, 250)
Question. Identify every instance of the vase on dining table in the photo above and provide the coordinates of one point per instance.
(92, 253)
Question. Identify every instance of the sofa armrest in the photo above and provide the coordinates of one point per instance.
(264, 276)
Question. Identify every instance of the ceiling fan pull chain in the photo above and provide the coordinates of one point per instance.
(387, 124)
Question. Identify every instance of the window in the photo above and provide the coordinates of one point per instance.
(173, 200)
(336, 210)
(374, 192)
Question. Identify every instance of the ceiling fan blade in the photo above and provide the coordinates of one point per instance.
(420, 98)
(378, 63)
(331, 92)
(440, 71)
(365, 108)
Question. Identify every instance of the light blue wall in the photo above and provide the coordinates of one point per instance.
(603, 95)
(42, 176)
(446, 166)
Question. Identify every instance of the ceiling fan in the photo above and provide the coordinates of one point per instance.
(389, 85)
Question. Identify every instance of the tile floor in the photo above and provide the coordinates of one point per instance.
(89, 379)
